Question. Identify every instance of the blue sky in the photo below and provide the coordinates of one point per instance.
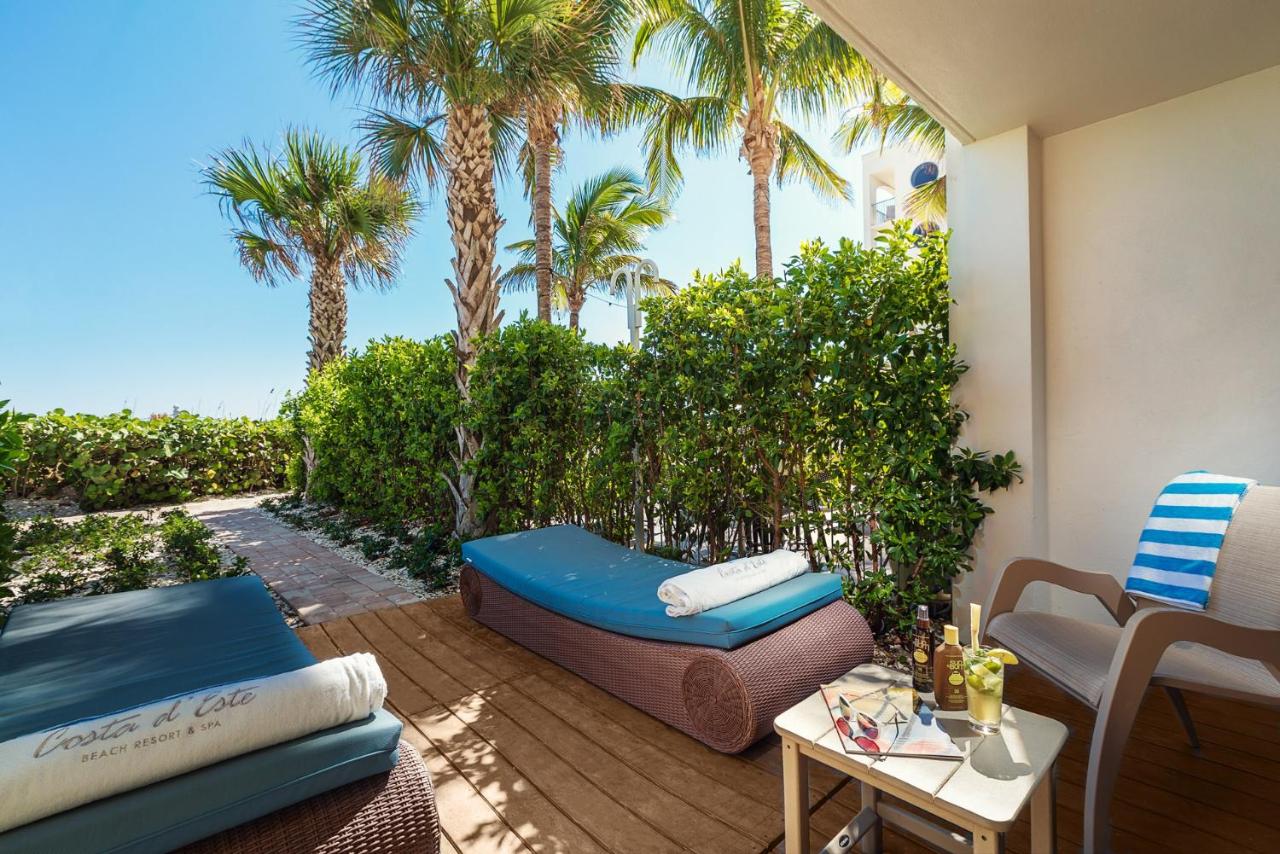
(119, 283)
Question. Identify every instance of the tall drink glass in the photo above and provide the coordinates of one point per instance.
(984, 684)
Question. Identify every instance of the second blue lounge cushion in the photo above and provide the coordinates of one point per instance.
(589, 579)
(81, 658)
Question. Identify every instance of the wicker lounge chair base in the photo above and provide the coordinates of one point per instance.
(726, 699)
(390, 813)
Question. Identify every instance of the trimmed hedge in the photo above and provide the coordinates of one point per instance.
(814, 411)
(380, 425)
(120, 460)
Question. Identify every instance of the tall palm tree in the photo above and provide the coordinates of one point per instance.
(602, 227)
(888, 116)
(454, 75)
(584, 88)
(747, 60)
(311, 206)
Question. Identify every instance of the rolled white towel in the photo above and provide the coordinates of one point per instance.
(719, 584)
(75, 763)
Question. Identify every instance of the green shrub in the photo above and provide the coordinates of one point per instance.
(187, 546)
(528, 402)
(110, 554)
(12, 452)
(428, 556)
(814, 412)
(122, 461)
(381, 427)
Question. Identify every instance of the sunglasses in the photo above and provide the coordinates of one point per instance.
(868, 727)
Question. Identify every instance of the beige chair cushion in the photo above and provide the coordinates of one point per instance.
(1077, 654)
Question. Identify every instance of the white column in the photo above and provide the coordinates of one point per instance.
(997, 323)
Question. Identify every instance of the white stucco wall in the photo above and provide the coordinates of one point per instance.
(993, 197)
(1160, 233)
(1162, 309)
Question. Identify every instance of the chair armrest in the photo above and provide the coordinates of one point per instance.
(1154, 630)
(1021, 571)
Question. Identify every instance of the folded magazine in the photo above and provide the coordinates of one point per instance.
(877, 716)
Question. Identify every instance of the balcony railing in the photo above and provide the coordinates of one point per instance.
(883, 211)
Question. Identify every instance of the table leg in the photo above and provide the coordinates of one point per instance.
(988, 842)
(795, 797)
(1044, 829)
(871, 842)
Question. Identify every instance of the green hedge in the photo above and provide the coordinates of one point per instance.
(814, 411)
(120, 460)
(380, 425)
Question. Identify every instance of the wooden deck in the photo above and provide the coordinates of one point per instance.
(528, 757)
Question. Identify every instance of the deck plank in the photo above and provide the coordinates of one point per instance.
(655, 804)
(402, 692)
(529, 757)
(464, 662)
(702, 790)
(500, 662)
(419, 667)
(466, 818)
(450, 610)
(315, 640)
(603, 816)
(543, 826)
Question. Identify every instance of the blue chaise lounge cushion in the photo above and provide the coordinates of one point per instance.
(589, 579)
(80, 658)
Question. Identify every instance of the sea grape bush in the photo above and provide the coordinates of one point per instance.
(120, 460)
(814, 411)
(12, 452)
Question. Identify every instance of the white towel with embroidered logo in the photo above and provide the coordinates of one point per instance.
(75, 763)
(712, 586)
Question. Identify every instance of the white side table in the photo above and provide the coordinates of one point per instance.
(983, 795)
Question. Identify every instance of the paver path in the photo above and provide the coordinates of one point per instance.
(320, 584)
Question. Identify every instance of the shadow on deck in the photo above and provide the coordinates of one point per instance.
(526, 756)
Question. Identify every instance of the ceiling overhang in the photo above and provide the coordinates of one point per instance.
(982, 67)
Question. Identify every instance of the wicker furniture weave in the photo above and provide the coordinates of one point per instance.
(384, 814)
(726, 699)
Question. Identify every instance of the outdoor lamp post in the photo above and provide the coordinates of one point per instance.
(627, 280)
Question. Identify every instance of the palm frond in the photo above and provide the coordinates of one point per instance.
(518, 278)
(703, 124)
(928, 202)
(404, 148)
(311, 202)
(267, 260)
(797, 160)
(888, 116)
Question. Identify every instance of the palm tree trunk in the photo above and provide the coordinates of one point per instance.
(328, 300)
(760, 218)
(542, 139)
(576, 299)
(473, 224)
(760, 148)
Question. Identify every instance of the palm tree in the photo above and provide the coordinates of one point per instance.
(585, 87)
(747, 60)
(888, 116)
(455, 74)
(310, 205)
(601, 229)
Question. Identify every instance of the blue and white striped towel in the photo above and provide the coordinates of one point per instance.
(1178, 550)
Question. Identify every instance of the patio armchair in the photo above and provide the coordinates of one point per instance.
(1230, 650)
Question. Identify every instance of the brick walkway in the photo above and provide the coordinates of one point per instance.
(318, 583)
